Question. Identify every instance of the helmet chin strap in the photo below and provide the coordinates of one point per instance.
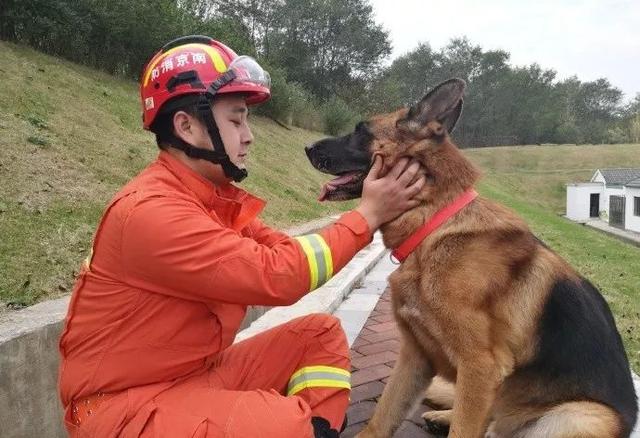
(219, 154)
(230, 169)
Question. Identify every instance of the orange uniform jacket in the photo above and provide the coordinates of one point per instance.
(175, 262)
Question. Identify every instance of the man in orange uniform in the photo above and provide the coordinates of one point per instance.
(178, 256)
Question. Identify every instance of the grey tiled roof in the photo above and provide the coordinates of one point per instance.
(634, 183)
(620, 177)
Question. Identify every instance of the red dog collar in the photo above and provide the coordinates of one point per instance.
(407, 247)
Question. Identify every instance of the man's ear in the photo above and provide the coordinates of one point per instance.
(183, 126)
(443, 104)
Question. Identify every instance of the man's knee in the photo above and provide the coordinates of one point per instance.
(262, 413)
(326, 330)
(322, 322)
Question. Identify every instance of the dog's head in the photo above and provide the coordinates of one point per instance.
(419, 132)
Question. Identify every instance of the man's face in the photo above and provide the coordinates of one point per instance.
(230, 113)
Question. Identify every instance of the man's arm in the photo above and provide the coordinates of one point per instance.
(264, 234)
(171, 246)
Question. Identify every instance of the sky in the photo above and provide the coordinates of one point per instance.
(589, 38)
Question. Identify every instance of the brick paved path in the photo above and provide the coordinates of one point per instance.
(373, 356)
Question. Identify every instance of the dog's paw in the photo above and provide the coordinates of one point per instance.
(442, 417)
(439, 394)
(437, 422)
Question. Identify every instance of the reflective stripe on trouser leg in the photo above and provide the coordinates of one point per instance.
(319, 257)
(319, 377)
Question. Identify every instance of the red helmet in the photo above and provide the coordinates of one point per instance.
(196, 64)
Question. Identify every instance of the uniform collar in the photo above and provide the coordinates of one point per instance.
(234, 206)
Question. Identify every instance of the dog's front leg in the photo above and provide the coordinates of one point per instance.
(477, 382)
(411, 374)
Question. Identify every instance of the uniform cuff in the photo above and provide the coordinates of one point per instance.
(357, 224)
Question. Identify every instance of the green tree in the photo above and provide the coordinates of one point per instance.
(597, 107)
(505, 104)
(261, 18)
(632, 117)
(327, 44)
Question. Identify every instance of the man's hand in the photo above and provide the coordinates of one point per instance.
(385, 198)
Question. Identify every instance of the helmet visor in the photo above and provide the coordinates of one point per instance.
(248, 71)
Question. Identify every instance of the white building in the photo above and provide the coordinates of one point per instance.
(612, 195)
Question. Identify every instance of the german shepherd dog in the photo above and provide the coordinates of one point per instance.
(531, 345)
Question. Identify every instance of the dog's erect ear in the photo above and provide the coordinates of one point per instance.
(442, 104)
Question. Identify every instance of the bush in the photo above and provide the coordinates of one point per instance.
(290, 103)
(279, 106)
(304, 108)
(634, 129)
(38, 141)
(338, 116)
(567, 132)
(616, 135)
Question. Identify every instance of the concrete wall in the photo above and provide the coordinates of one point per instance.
(29, 405)
(631, 221)
(579, 199)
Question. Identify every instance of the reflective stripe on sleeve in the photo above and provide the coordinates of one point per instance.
(318, 377)
(319, 257)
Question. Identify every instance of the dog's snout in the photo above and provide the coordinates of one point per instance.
(308, 150)
(317, 157)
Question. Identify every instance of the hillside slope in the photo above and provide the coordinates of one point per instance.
(539, 174)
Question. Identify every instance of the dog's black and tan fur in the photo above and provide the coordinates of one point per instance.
(531, 345)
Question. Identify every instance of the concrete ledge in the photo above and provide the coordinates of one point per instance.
(29, 404)
(355, 310)
(18, 323)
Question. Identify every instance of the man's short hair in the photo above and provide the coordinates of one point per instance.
(162, 126)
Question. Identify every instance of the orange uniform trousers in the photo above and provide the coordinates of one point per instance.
(242, 395)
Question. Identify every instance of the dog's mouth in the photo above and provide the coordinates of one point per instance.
(344, 187)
